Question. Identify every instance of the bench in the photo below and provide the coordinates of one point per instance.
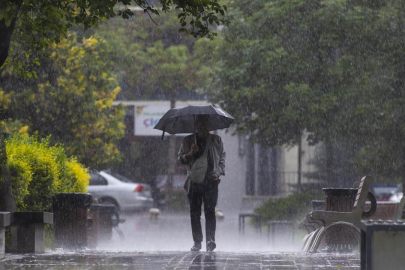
(328, 217)
(318, 204)
(323, 221)
(311, 225)
(5, 220)
(28, 231)
(387, 210)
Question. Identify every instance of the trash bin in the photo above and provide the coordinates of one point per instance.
(108, 219)
(70, 219)
(103, 217)
(382, 245)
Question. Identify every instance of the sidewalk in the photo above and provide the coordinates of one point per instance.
(165, 244)
(179, 260)
(172, 232)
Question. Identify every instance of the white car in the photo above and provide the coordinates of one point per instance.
(124, 194)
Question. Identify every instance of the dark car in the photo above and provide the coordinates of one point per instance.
(383, 191)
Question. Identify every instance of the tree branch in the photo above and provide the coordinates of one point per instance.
(6, 33)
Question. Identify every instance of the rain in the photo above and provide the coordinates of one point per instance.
(202, 134)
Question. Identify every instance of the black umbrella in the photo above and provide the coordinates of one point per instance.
(182, 120)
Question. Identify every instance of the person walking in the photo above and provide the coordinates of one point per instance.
(209, 148)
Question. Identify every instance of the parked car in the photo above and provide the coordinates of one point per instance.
(123, 193)
(397, 196)
(383, 191)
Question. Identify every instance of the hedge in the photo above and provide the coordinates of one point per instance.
(39, 171)
(293, 207)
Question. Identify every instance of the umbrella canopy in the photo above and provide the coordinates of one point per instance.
(182, 120)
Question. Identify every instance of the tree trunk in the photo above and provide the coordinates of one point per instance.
(264, 177)
(403, 171)
(250, 187)
(299, 164)
(6, 33)
(329, 163)
(7, 202)
(171, 164)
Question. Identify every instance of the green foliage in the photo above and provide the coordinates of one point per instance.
(293, 207)
(41, 23)
(40, 164)
(168, 63)
(5, 99)
(74, 177)
(72, 100)
(21, 176)
(329, 68)
(39, 171)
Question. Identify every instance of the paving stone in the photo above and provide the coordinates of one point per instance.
(278, 263)
(344, 262)
(98, 260)
(279, 268)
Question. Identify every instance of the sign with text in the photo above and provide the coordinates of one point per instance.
(147, 116)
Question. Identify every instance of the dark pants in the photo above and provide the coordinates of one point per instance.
(206, 193)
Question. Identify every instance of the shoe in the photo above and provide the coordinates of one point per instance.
(211, 246)
(196, 247)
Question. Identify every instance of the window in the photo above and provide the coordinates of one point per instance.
(97, 180)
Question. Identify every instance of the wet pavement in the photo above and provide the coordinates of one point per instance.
(172, 232)
(165, 244)
(179, 260)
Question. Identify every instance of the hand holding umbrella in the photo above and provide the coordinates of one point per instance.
(193, 151)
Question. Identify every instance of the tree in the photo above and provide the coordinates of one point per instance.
(37, 24)
(167, 65)
(72, 99)
(40, 23)
(315, 66)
